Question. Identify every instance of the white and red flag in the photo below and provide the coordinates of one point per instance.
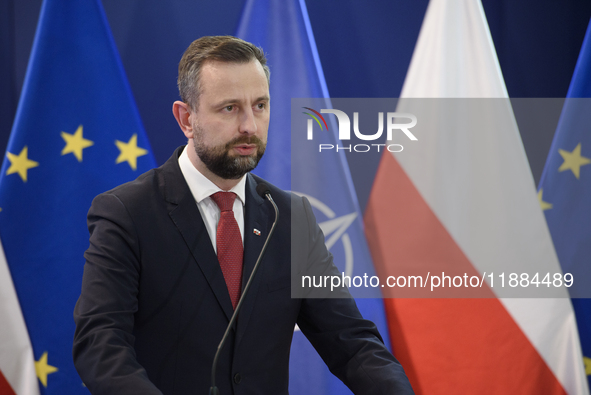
(462, 199)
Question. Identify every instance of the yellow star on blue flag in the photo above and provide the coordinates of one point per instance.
(543, 205)
(129, 152)
(573, 160)
(43, 369)
(20, 163)
(75, 143)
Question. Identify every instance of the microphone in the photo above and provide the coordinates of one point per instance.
(264, 192)
(263, 189)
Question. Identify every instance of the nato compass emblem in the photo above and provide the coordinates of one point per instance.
(335, 229)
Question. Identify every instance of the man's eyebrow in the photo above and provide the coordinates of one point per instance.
(227, 102)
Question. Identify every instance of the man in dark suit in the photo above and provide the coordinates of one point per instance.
(161, 281)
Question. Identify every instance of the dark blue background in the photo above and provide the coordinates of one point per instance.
(365, 49)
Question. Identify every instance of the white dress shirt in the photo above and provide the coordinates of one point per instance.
(202, 188)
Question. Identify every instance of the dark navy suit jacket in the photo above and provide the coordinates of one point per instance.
(154, 303)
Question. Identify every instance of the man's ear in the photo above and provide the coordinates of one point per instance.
(182, 114)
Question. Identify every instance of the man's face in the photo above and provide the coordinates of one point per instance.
(231, 121)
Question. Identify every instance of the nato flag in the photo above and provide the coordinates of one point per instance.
(283, 30)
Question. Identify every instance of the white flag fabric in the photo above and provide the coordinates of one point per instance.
(466, 190)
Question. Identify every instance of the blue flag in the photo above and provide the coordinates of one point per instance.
(77, 133)
(283, 30)
(565, 193)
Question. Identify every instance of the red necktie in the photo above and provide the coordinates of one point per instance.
(229, 244)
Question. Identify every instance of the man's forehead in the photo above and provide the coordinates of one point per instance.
(214, 69)
(227, 78)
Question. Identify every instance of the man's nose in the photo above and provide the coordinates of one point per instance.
(247, 122)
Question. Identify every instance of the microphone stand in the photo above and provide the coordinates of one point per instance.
(213, 390)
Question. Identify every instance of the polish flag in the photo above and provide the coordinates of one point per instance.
(17, 369)
(464, 198)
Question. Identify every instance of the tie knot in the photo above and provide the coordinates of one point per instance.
(224, 200)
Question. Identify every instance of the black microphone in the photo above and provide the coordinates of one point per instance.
(263, 191)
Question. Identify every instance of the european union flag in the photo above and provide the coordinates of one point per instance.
(283, 30)
(77, 133)
(565, 193)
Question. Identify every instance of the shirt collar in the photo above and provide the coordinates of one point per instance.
(201, 187)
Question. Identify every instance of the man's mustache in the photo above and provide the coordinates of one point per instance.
(245, 140)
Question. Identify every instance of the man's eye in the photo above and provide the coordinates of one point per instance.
(261, 106)
(229, 108)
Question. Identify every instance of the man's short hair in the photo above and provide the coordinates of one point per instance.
(217, 48)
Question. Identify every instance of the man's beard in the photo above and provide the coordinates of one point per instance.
(219, 162)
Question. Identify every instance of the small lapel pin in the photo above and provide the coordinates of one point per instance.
(257, 232)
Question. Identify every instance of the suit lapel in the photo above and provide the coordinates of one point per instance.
(184, 213)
